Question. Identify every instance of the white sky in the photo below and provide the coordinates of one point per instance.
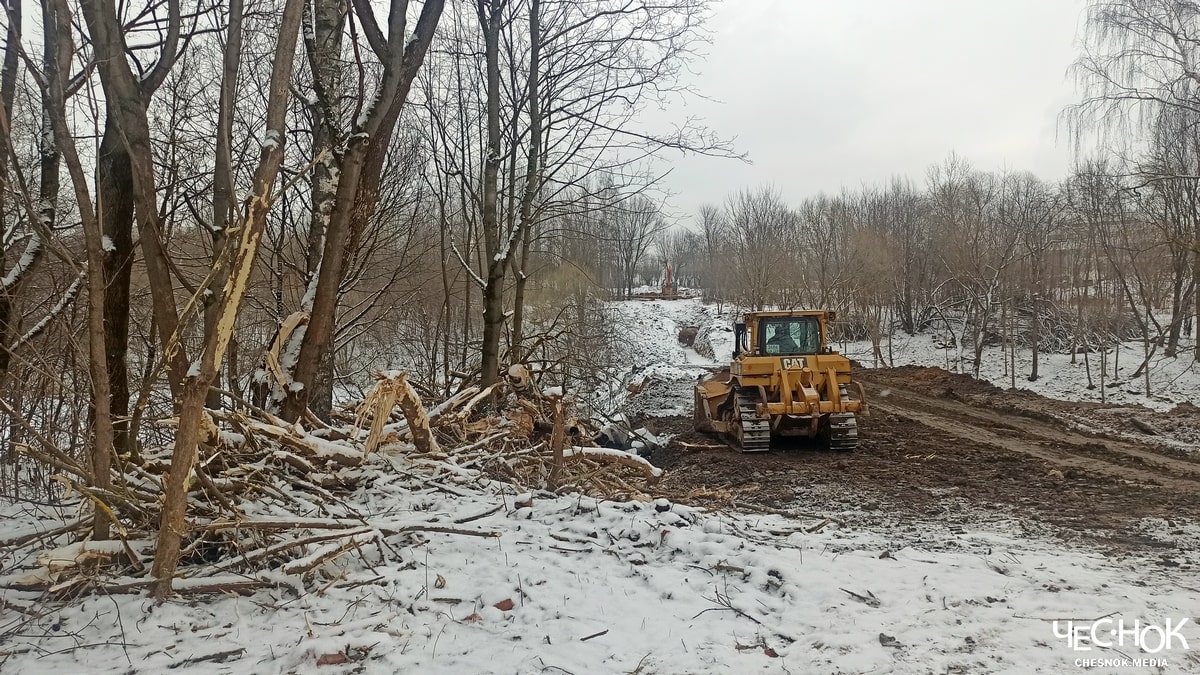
(825, 94)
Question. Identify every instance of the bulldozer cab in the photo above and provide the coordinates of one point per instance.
(788, 335)
(781, 334)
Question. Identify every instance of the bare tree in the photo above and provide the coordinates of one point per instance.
(1168, 191)
(126, 188)
(11, 280)
(223, 203)
(188, 436)
(1140, 70)
(1096, 197)
(561, 86)
(635, 225)
(976, 248)
(713, 228)
(759, 228)
(1029, 207)
(497, 249)
(52, 83)
(683, 249)
(904, 210)
(359, 171)
(821, 234)
(875, 267)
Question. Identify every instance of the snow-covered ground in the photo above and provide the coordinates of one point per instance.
(573, 585)
(665, 369)
(1172, 380)
(576, 585)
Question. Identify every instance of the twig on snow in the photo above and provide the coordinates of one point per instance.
(869, 599)
(724, 604)
(485, 514)
(219, 657)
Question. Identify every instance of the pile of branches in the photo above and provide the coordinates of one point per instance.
(271, 499)
(509, 431)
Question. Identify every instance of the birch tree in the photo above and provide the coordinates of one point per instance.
(358, 173)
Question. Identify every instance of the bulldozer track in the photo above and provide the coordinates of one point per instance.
(1057, 445)
(843, 432)
(755, 435)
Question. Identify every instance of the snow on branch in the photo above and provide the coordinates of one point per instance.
(616, 456)
(68, 297)
(478, 280)
(33, 251)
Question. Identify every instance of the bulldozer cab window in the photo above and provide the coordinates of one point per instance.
(791, 335)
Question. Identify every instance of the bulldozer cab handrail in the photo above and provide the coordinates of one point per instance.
(739, 338)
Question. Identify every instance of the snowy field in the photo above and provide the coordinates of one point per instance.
(1172, 380)
(575, 585)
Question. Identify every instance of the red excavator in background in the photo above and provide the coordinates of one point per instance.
(668, 291)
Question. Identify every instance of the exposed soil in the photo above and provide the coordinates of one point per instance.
(946, 449)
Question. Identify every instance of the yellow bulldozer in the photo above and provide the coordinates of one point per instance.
(784, 380)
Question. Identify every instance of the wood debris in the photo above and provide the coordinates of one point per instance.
(257, 474)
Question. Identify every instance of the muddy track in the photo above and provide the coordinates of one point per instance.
(943, 450)
(1055, 444)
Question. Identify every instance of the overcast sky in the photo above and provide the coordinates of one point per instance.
(825, 94)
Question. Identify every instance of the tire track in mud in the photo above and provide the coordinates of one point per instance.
(1025, 435)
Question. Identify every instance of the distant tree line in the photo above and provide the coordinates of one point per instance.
(1109, 253)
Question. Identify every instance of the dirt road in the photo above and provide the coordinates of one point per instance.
(942, 448)
(1061, 446)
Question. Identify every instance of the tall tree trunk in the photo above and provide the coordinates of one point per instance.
(1178, 301)
(444, 232)
(223, 203)
(114, 209)
(1035, 328)
(323, 31)
(467, 309)
(496, 259)
(173, 526)
(323, 44)
(533, 180)
(8, 88)
(102, 423)
(521, 274)
(1196, 285)
(126, 187)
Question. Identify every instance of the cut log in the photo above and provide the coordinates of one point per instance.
(1143, 426)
